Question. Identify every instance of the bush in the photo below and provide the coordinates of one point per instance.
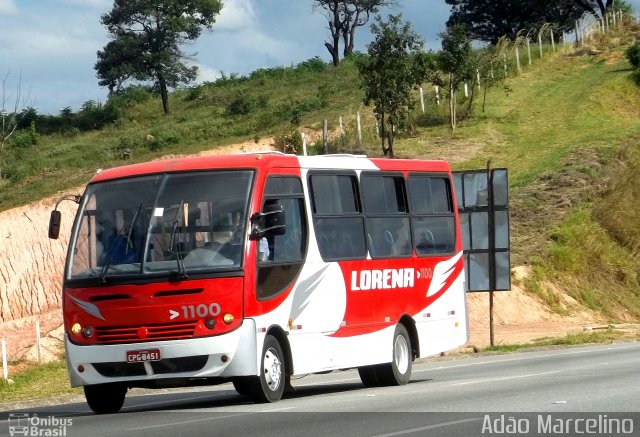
(289, 142)
(26, 138)
(132, 95)
(195, 93)
(633, 55)
(21, 139)
(159, 139)
(269, 73)
(296, 116)
(241, 105)
(314, 64)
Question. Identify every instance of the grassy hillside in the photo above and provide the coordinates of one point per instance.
(567, 129)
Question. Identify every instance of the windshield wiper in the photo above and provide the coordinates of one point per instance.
(182, 272)
(116, 244)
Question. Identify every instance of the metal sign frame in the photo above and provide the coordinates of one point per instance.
(483, 206)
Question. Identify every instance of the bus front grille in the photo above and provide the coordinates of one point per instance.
(166, 366)
(142, 333)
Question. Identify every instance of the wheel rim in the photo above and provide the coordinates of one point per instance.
(272, 369)
(401, 354)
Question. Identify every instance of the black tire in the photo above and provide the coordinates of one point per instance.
(270, 385)
(398, 371)
(105, 398)
(244, 385)
(369, 376)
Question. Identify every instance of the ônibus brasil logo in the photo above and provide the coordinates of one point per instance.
(26, 424)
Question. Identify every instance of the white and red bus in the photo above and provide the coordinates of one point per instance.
(258, 267)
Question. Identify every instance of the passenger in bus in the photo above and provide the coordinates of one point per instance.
(121, 248)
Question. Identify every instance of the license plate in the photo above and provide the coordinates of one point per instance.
(141, 356)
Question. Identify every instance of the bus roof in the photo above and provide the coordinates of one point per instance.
(268, 159)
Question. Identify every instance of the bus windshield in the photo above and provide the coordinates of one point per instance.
(166, 224)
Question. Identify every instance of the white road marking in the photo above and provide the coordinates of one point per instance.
(425, 428)
(212, 418)
(505, 378)
(164, 425)
(276, 409)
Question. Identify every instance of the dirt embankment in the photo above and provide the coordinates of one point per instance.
(30, 272)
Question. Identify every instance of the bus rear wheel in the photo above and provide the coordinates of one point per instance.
(270, 384)
(105, 398)
(369, 376)
(398, 371)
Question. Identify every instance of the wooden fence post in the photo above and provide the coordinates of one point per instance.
(359, 129)
(325, 137)
(304, 144)
(540, 44)
(506, 70)
(5, 363)
(38, 341)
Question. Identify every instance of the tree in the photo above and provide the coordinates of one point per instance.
(146, 39)
(457, 61)
(12, 109)
(396, 65)
(344, 17)
(489, 20)
(591, 6)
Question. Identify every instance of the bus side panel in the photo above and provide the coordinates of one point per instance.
(444, 324)
(316, 352)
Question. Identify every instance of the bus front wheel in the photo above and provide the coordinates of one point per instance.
(105, 398)
(270, 384)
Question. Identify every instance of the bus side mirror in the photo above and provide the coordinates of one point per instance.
(270, 222)
(56, 216)
(54, 224)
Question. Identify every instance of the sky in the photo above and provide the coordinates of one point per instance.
(49, 46)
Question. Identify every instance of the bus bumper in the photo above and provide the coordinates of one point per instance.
(232, 354)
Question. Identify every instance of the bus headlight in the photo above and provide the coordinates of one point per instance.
(210, 323)
(88, 331)
(76, 328)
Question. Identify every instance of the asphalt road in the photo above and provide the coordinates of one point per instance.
(560, 390)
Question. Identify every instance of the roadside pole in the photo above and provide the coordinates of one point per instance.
(492, 247)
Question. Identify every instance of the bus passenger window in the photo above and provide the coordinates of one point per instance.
(432, 216)
(387, 217)
(337, 220)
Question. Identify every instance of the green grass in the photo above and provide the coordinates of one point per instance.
(36, 382)
(568, 340)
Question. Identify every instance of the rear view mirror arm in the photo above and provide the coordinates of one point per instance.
(54, 220)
